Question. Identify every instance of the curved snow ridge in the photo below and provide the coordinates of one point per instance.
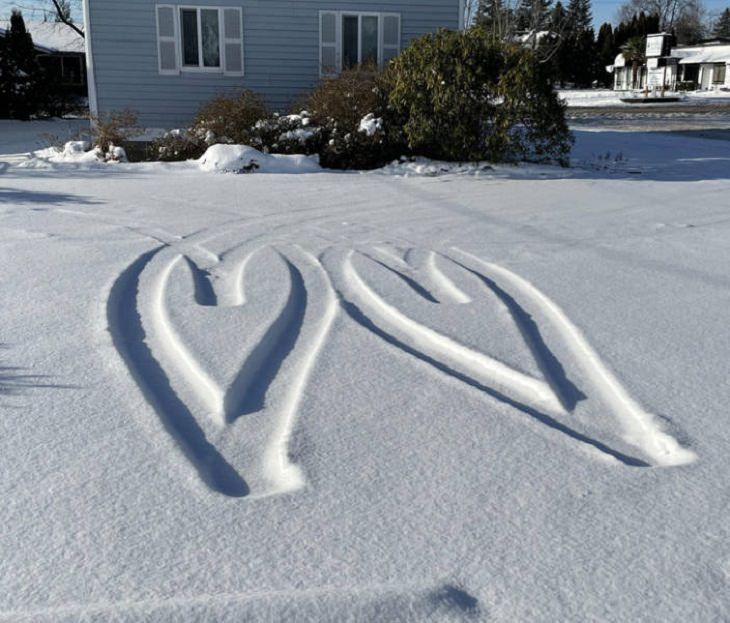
(132, 343)
(448, 289)
(641, 428)
(478, 364)
(284, 475)
(206, 388)
(203, 409)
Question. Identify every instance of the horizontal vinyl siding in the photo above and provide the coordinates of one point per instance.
(281, 52)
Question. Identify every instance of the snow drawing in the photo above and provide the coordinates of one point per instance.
(222, 347)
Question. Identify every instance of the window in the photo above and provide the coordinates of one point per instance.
(200, 38)
(718, 73)
(359, 40)
(348, 39)
(206, 39)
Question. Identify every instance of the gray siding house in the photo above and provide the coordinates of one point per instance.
(163, 59)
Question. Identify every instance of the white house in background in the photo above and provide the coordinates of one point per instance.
(690, 67)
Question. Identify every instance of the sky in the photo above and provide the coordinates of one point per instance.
(603, 10)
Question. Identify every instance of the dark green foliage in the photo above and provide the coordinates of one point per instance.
(443, 88)
(530, 122)
(20, 76)
(495, 18)
(532, 15)
(462, 96)
(721, 29)
(579, 42)
(605, 53)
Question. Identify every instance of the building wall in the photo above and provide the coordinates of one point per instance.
(281, 52)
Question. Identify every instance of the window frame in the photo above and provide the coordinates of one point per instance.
(339, 33)
(200, 67)
(723, 68)
(360, 14)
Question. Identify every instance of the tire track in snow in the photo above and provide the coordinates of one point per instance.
(479, 371)
(280, 471)
(247, 392)
(129, 338)
(438, 345)
(641, 428)
(550, 366)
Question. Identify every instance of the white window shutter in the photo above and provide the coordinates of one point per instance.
(329, 43)
(389, 37)
(232, 41)
(167, 49)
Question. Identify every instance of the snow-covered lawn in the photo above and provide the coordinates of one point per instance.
(425, 393)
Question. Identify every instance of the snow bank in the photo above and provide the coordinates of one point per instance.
(246, 159)
(75, 152)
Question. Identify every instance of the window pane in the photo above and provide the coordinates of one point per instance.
(329, 60)
(211, 41)
(190, 37)
(391, 35)
(349, 41)
(718, 77)
(233, 57)
(369, 39)
(329, 28)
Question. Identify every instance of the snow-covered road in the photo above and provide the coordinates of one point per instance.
(491, 394)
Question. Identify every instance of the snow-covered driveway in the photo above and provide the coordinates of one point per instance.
(492, 395)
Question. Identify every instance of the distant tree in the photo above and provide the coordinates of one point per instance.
(690, 27)
(63, 11)
(532, 15)
(605, 51)
(19, 71)
(496, 19)
(674, 15)
(721, 28)
(561, 60)
(579, 42)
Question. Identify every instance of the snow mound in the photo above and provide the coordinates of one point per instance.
(75, 152)
(246, 159)
(370, 124)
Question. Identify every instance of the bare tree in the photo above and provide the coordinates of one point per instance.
(670, 12)
(63, 14)
(53, 10)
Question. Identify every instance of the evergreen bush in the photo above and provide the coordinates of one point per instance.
(465, 96)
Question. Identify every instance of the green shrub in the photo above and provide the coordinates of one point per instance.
(530, 120)
(463, 96)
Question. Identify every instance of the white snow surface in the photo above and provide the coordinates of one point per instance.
(432, 392)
